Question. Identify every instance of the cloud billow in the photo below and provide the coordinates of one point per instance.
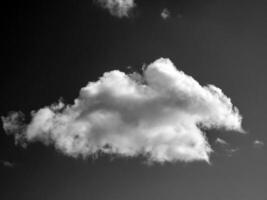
(159, 114)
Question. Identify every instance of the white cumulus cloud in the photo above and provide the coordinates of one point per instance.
(160, 114)
(118, 8)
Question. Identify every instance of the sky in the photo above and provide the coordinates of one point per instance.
(64, 53)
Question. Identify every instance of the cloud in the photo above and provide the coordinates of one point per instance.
(6, 163)
(160, 114)
(225, 147)
(258, 144)
(165, 13)
(117, 8)
(231, 151)
(221, 141)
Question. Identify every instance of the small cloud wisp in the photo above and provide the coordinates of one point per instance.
(117, 8)
(6, 163)
(258, 144)
(221, 142)
(160, 114)
(165, 13)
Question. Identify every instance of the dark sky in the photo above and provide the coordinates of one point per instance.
(53, 48)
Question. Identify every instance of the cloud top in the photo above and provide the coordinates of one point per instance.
(159, 114)
(117, 8)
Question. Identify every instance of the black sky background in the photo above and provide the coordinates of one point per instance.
(53, 48)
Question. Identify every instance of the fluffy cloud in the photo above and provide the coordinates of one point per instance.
(159, 114)
(118, 8)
